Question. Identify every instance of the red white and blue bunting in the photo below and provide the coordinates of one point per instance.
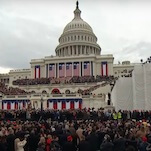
(14, 104)
(60, 104)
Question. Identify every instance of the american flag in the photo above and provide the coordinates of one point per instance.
(76, 69)
(104, 69)
(68, 69)
(37, 71)
(86, 68)
(52, 70)
(61, 69)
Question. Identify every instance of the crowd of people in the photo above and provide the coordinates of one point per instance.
(75, 130)
(65, 80)
(6, 90)
(11, 91)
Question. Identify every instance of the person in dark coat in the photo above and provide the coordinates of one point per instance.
(55, 146)
(119, 143)
(10, 140)
(69, 146)
(32, 141)
(84, 145)
(93, 140)
(3, 144)
(107, 144)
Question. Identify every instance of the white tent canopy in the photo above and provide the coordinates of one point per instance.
(133, 93)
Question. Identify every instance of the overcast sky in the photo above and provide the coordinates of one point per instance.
(30, 29)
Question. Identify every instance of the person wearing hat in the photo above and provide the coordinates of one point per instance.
(143, 144)
(69, 146)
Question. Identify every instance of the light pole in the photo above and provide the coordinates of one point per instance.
(1, 101)
(41, 100)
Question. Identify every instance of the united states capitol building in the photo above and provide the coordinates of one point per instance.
(78, 76)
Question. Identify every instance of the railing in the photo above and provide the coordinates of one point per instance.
(56, 95)
(10, 96)
(20, 70)
(22, 96)
(36, 60)
(85, 96)
(70, 95)
(47, 96)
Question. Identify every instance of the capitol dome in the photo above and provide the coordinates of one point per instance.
(77, 38)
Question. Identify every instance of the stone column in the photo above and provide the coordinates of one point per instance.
(81, 50)
(73, 50)
(85, 50)
(69, 53)
(82, 68)
(65, 69)
(72, 69)
(48, 71)
(77, 52)
(60, 52)
(90, 69)
(63, 52)
(55, 70)
(89, 50)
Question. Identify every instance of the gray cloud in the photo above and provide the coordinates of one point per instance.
(30, 28)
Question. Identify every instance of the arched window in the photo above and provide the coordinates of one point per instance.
(44, 92)
(67, 91)
(55, 91)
